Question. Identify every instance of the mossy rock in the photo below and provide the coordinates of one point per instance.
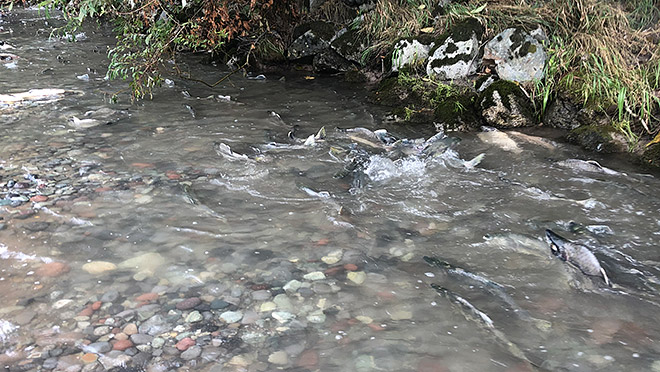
(504, 105)
(457, 113)
(349, 45)
(455, 54)
(599, 138)
(391, 92)
(651, 156)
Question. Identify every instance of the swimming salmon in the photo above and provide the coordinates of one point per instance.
(576, 254)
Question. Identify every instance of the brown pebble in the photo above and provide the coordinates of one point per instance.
(130, 329)
(188, 303)
(431, 365)
(52, 269)
(172, 175)
(375, 327)
(333, 271)
(121, 336)
(147, 297)
(350, 267)
(142, 165)
(87, 311)
(96, 305)
(122, 345)
(309, 359)
(89, 358)
(102, 189)
(185, 343)
(39, 198)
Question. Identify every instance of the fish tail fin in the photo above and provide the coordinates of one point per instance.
(475, 161)
(605, 277)
(321, 133)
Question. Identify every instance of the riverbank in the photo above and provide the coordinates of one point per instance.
(590, 68)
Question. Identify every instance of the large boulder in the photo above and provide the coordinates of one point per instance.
(518, 56)
(563, 113)
(310, 39)
(455, 54)
(330, 61)
(411, 52)
(599, 138)
(349, 45)
(504, 105)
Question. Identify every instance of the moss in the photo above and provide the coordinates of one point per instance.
(595, 138)
(457, 112)
(391, 92)
(505, 88)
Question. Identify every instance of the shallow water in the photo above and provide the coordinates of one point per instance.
(149, 199)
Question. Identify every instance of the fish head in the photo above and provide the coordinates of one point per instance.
(556, 244)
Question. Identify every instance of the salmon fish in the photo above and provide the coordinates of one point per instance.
(576, 254)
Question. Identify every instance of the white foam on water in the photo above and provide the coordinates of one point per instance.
(6, 329)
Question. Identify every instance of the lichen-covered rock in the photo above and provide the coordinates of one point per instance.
(411, 53)
(562, 113)
(330, 61)
(600, 138)
(484, 82)
(310, 39)
(455, 54)
(349, 45)
(518, 55)
(504, 105)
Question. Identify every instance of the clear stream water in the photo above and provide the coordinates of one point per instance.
(150, 197)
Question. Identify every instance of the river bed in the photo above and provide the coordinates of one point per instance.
(132, 239)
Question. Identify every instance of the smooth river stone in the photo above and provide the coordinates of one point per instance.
(99, 267)
(316, 275)
(231, 316)
(148, 262)
(357, 277)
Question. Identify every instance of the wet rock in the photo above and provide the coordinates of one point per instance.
(141, 338)
(185, 343)
(154, 326)
(349, 45)
(219, 304)
(147, 262)
(316, 317)
(311, 39)
(191, 353)
(99, 267)
(292, 286)
(563, 113)
(504, 105)
(122, 345)
(329, 61)
(316, 275)
(279, 358)
(599, 138)
(188, 303)
(194, 317)
(53, 269)
(99, 347)
(411, 53)
(517, 54)
(260, 295)
(37, 226)
(308, 359)
(110, 296)
(231, 316)
(455, 54)
(357, 277)
(282, 316)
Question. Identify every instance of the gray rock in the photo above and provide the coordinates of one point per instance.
(50, 363)
(261, 295)
(192, 353)
(330, 61)
(219, 304)
(141, 339)
(518, 55)
(110, 296)
(504, 105)
(562, 113)
(349, 45)
(311, 39)
(455, 54)
(412, 52)
(154, 326)
(99, 347)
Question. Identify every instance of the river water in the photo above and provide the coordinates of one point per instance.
(146, 235)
